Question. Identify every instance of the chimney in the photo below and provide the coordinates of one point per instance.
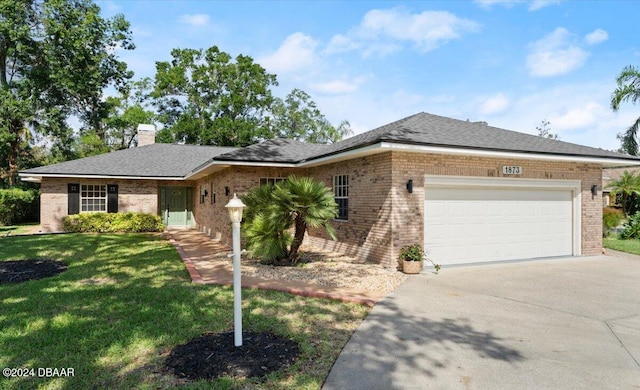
(146, 135)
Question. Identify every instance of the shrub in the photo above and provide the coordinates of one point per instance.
(412, 253)
(19, 206)
(112, 223)
(611, 217)
(297, 203)
(631, 227)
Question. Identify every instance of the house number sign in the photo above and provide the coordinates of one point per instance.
(511, 170)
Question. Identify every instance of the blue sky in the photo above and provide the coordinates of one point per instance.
(507, 62)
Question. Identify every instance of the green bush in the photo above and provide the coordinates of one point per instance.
(19, 206)
(412, 253)
(112, 223)
(611, 217)
(631, 227)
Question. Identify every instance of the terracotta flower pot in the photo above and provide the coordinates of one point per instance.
(412, 267)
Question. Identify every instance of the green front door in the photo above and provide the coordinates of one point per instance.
(175, 206)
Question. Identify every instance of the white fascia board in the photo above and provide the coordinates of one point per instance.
(605, 161)
(38, 177)
(358, 152)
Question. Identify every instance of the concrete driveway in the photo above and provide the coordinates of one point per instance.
(568, 323)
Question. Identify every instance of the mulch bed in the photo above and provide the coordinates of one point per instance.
(213, 355)
(16, 271)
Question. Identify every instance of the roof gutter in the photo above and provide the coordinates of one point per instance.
(37, 177)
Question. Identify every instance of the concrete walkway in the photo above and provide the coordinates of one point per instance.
(197, 251)
(565, 323)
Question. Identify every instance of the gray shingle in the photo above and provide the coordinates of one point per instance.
(156, 160)
(279, 150)
(434, 130)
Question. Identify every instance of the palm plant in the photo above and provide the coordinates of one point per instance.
(298, 202)
(627, 186)
(628, 90)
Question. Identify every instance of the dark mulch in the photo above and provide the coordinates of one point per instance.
(16, 271)
(213, 355)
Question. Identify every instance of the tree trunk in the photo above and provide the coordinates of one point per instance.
(300, 229)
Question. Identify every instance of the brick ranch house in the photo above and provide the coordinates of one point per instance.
(467, 191)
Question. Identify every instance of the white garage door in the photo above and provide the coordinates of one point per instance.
(468, 225)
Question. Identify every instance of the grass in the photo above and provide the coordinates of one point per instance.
(127, 300)
(629, 246)
(16, 229)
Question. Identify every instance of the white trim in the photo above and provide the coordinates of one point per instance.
(38, 177)
(575, 186)
(515, 155)
(379, 147)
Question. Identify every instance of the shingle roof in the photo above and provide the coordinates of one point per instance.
(433, 130)
(178, 161)
(279, 150)
(156, 160)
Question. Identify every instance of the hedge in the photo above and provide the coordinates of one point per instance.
(112, 223)
(19, 206)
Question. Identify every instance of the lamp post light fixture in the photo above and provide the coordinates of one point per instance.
(235, 207)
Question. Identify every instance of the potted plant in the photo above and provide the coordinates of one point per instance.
(412, 257)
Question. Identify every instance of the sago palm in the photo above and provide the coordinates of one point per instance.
(298, 202)
(309, 203)
(628, 90)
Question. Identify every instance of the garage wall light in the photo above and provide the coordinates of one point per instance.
(594, 190)
(410, 186)
(226, 191)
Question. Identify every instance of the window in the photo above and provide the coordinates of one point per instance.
(271, 180)
(93, 197)
(341, 194)
(213, 193)
(203, 193)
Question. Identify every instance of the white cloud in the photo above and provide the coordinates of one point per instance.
(555, 54)
(335, 87)
(297, 52)
(340, 43)
(596, 36)
(494, 105)
(195, 19)
(534, 5)
(382, 31)
(586, 115)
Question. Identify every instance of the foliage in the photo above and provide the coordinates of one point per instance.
(628, 90)
(19, 206)
(298, 202)
(631, 228)
(56, 58)
(126, 300)
(112, 223)
(629, 246)
(611, 218)
(544, 130)
(412, 253)
(298, 117)
(205, 97)
(126, 112)
(626, 188)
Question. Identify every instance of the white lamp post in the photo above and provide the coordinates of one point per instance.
(235, 207)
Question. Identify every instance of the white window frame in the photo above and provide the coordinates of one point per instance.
(341, 192)
(88, 198)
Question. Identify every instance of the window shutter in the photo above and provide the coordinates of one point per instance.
(112, 198)
(73, 196)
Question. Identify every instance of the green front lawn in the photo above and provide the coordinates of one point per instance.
(629, 246)
(126, 300)
(16, 229)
